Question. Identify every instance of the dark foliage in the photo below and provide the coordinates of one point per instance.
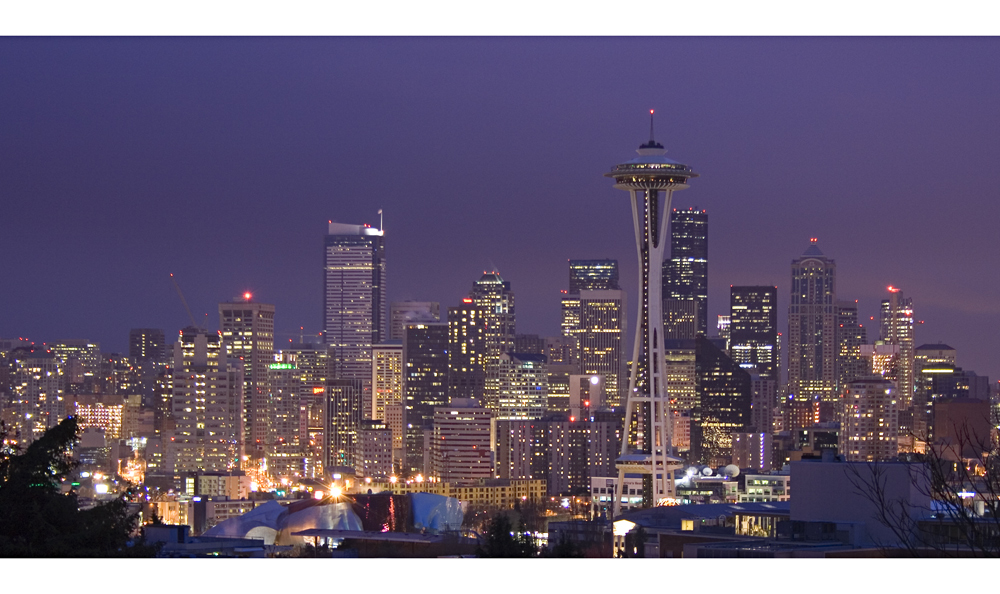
(38, 520)
(502, 541)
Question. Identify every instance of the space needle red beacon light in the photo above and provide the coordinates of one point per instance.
(650, 179)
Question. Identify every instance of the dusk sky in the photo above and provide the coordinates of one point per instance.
(220, 160)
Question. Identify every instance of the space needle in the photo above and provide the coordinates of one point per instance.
(650, 180)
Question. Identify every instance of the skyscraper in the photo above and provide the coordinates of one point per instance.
(467, 351)
(602, 335)
(354, 316)
(725, 396)
(425, 386)
(812, 336)
(869, 421)
(387, 389)
(461, 444)
(146, 344)
(494, 296)
(896, 318)
(593, 275)
(522, 387)
(685, 273)
(851, 335)
(650, 179)
(207, 405)
(285, 447)
(343, 423)
(247, 330)
(753, 329)
(593, 312)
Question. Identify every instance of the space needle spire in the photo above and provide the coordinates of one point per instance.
(650, 179)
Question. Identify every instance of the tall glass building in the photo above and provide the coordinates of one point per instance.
(685, 273)
(753, 329)
(354, 313)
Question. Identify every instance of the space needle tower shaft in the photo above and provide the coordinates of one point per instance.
(650, 179)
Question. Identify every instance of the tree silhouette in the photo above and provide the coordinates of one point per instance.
(502, 541)
(38, 520)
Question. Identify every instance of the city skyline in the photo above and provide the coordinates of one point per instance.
(134, 159)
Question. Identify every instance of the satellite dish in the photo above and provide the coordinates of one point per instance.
(732, 470)
(706, 471)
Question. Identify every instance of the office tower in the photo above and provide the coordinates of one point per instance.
(512, 449)
(896, 320)
(37, 392)
(425, 386)
(560, 453)
(680, 319)
(374, 453)
(460, 450)
(851, 335)
(601, 336)
(531, 344)
(812, 336)
(521, 384)
(929, 360)
(650, 179)
(247, 330)
(467, 351)
(724, 403)
(146, 344)
(343, 421)
(869, 421)
(493, 295)
(593, 275)
(685, 273)
(285, 446)
(402, 313)
(387, 379)
(315, 366)
(753, 329)
(206, 404)
(81, 360)
(118, 375)
(680, 369)
(593, 313)
(354, 316)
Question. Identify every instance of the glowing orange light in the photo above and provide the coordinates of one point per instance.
(651, 112)
(317, 390)
(466, 300)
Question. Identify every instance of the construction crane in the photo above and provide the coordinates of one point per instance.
(184, 301)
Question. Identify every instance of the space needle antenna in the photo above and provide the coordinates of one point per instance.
(651, 127)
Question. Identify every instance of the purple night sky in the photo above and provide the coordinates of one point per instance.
(221, 159)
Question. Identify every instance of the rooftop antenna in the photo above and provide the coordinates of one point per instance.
(380, 220)
(651, 141)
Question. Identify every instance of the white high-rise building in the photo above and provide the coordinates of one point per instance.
(207, 405)
(354, 316)
(460, 446)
